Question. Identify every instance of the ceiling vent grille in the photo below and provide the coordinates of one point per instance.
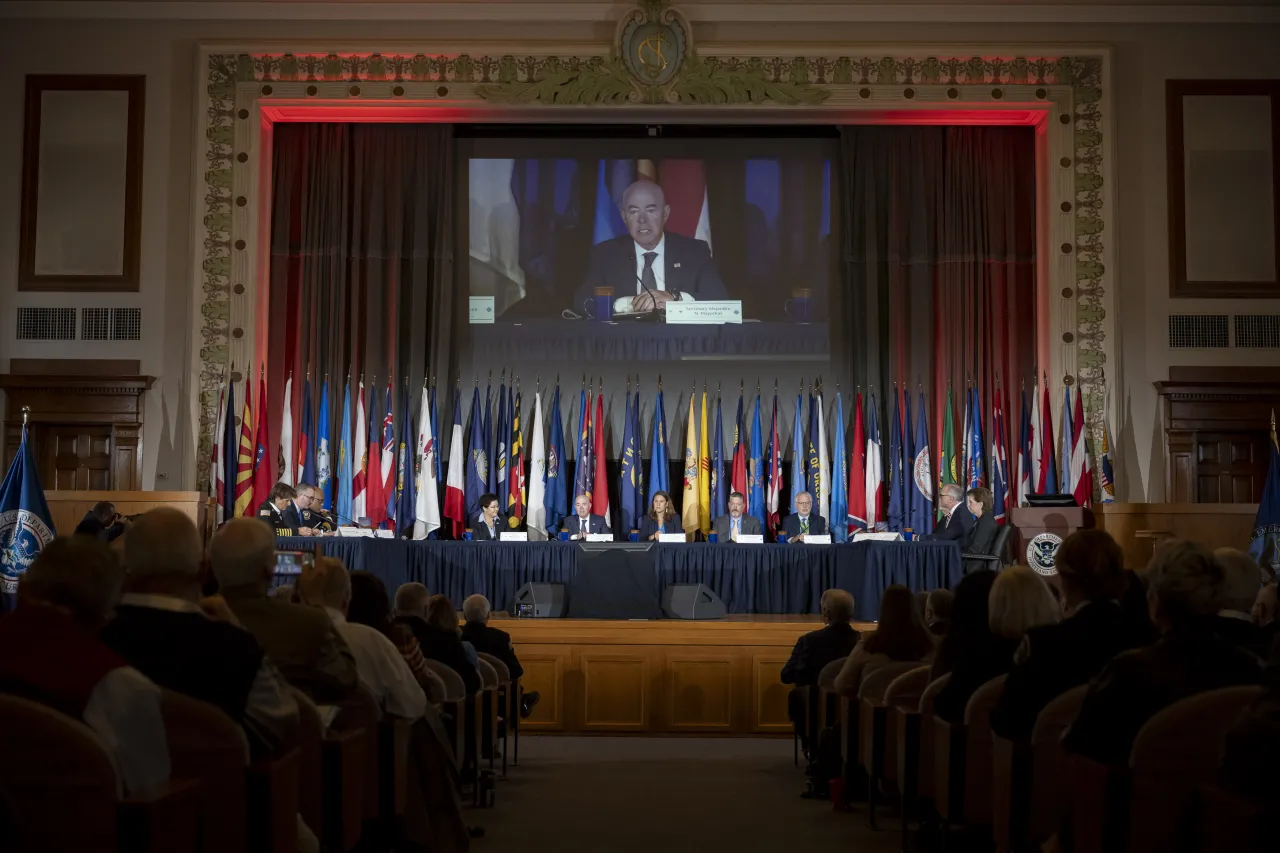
(1257, 331)
(1198, 331)
(46, 324)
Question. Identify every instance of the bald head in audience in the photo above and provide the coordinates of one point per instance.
(243, 554)
(412, 599)
(163, 555)
(937, 610)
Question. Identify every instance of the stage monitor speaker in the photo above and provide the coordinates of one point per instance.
(540, 601)
(691, 601)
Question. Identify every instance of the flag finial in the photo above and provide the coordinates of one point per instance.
(26, 413)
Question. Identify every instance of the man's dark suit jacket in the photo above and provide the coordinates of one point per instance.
(1244, 635)
(1063, 656)
(493, 641)
(957, 526)
(291, 518)
(791, 525)
(277, 519)
(480, 530)
(722, 527)
(444, 646)
(91, 525)
(686, 263)
(649, 526)
(815, 650)
(983, 534)
(595, 524)
(1139, 683)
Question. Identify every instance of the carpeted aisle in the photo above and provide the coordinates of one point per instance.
(664, 795)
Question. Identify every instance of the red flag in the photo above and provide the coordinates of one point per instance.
(600, 488)
(857, 471)
(773, 515)
(263, 462)
(1081, 470)
(244, 461)
(684, 185)
(1046, 442)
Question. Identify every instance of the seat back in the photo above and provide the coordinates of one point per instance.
(903, 692)
(1176, 750)
(1228, 821)
(361, 711)
(206, 744)
(48, 761)
(827, 676)
(488, 675)
(924, 775)
(1049, 763)
(455, 690)
(500, 668)
(1001, 543)
(977, 767)
(310, 762)
(871, 711)
(876, 681)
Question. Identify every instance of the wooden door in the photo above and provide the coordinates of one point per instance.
(76, 456)
(1230, 467)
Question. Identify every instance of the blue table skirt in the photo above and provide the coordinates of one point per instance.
(748, 578)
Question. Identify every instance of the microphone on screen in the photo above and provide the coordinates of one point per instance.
(653, 315)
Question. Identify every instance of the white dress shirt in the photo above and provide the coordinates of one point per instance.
(381, 668)
(124, 713)
(622, 305)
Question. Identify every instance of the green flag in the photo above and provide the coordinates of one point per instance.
(947, 470)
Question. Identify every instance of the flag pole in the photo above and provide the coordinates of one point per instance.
(26, 413)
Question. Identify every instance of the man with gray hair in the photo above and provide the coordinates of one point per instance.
(803, 521)
(1242, 580)
(411, 600)
(300, 640)
(194, 645)
(957, 521)
(1185, 590)
(488, 640)
(816, 649)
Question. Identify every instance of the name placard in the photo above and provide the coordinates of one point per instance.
(513, 536)
(750, 538)
(672, 537)
(482, 309)
(715, 312)
(354, 532)
(882, 536)
(817, 539)
(384, 534)
(599, 537)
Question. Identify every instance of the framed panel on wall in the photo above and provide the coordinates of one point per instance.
(81, 183)
(1223, 139)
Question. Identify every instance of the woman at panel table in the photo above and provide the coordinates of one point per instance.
(660, 519)
(490, 523)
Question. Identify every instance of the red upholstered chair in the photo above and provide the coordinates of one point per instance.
(903, 694)
(915, 752)
(49, 760)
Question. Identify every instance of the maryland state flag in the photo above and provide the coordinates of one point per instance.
(25, 524)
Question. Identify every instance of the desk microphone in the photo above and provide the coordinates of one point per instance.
(653, 315)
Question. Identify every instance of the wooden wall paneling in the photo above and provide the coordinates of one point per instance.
(1140, 527)
(615, 694)
(544, 671)
(700, 691)
(66, 508)
(769, 710)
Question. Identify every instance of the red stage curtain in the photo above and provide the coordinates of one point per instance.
(937, 280)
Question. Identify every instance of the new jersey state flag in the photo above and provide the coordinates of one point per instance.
(25, 524)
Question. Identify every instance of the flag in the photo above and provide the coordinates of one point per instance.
(738, 476)
(230, 454)
(875, 472)
(359, 458)
(975, 452)
(897, 474)
(813, 468)
(406, 510)
(499, 461)
(920, 517)
(999, 468)
(435, 430)
(600, 484)
(1035, 442)
(348, 462)
(856, 511)
(536, 511)
(1068, 439)
(455, 501)
(477, 461)
(824, 464)
(755, 470)
(305, 451)
(515, 470)
(1023, 487)
(1264, 545)
(719, 500)
(25, 524)
(324, 470)
(689, 497)
(658, 471)
(216, 483)
(427, 509)
(374, 500)
(263, 478)
(948, 469)
(774, 463)
(704, 470)
(286, 433)
(491, 484)
(839, 521)
(555, 476)
(966, 443)
(1048, 473)
(1106, 474)
(798, 462)
(630, 496)
(584, 472)
(389, 461)
(1081, 470)
(244, 457)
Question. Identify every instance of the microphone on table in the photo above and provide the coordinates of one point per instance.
(653, 315)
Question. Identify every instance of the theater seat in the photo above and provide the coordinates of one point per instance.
(1048, 770)
(503, 703)
(454, 704)
(873, 724)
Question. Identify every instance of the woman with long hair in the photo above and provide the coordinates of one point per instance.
(661, 518)
(900, 635)
(369, 606)
(440, 640)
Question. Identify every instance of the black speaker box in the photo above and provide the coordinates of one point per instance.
(691, 601)
(540, 601)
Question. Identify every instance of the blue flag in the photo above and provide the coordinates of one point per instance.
(584, 470)
(1067, 437)
(755, 472)
(25, 523)
(636, 431)
(306, 439)
(975, 451)
(556, 502)
(230, 450)
(1264, 545)
(406, 469)
(477, 467)
(799, 463)
(629, 478)
(345, 449)
(388, 446)
(897, 471)
(839, 521)
(487, 436)
(501, 446)
(719, 503)
(920, 515)
(658, 475)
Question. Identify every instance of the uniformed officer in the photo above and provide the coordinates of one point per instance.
(273, 510)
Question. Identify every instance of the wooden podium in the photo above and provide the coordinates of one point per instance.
(1052, 525)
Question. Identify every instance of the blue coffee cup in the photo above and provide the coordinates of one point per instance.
(712, 537)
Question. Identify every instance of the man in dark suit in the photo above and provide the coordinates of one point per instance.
(801, 523)
(815, 650)
(958, 521)
(1234, 623)
(489, 640)
(582, 521)
(649, 267)
(102, 522)
(727, 528)
(310, 514)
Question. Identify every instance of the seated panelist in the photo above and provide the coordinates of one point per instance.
(661, 518)
(313, 515)
(802, 522)
(727, 528)
(272, 510)
(490, 523)
(582, 521)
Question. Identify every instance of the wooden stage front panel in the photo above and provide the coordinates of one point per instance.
(663, 677)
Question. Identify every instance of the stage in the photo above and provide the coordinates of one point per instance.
(659, 678)
(748, 578)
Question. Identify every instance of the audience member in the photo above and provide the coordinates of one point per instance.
(1186, 589)
(814, 650)
(435, 623)
(900, 635)
(982, 536)
(191, 645)
(1251, 749)
(937, 611)
(52, 655)
(1242, 583)
(1054, 658)
(1264, 608)
(382, 671)
(489, 640)
(102, 522)
(301, 641)
(369, 606)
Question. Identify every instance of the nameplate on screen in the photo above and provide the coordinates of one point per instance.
(672, 537)
(599, 537)
(713, 312)
(750, 538)
(817, 539)
(881, 536)
(513, 536)
(482, 309)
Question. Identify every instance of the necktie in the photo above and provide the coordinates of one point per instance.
(647, 277)
(736, 523)
(582, 522)
(804, 525)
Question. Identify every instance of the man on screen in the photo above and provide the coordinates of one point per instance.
(582, 522)
(649, 267)
(728, 527)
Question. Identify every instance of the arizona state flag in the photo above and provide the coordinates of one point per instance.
(263, 463)
(244, 461)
